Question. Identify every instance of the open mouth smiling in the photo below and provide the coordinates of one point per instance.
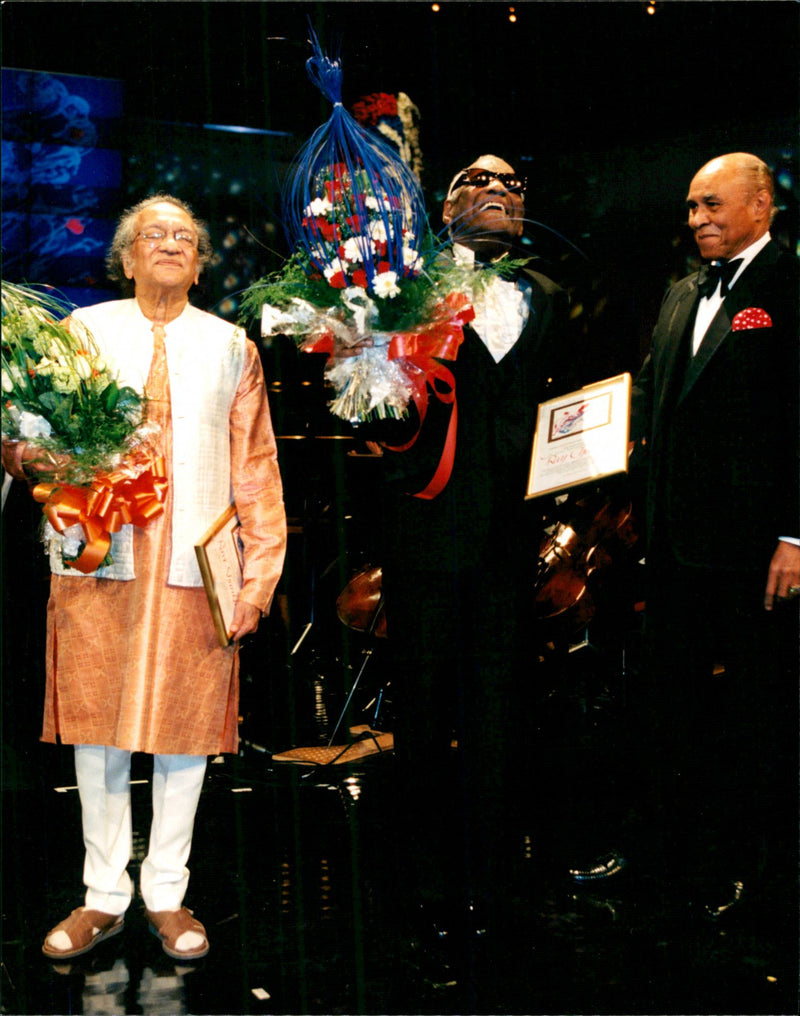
(494, 206)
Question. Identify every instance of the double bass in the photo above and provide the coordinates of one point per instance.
(360, 604)
(594, 530)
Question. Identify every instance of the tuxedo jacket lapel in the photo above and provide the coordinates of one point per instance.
(717, 331)
(740, 297)
(540, 319)
(679, 320)
(531, 333)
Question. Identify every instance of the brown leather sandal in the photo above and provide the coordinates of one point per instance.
(86, 929)
(169, 925)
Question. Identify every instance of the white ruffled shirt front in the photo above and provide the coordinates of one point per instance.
(502, 308)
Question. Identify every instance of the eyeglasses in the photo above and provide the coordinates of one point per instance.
(156, 236)
(483, 177)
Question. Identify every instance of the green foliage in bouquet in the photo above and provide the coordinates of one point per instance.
(58, 393)
(409, 308)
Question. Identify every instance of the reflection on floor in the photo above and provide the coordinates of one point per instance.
(297, 872)
(296, 876)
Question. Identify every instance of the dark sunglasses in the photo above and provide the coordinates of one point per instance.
(483, 177)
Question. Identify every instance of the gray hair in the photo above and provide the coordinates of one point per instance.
(755, 171)
(125, 235)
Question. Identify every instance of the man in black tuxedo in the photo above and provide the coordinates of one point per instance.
(716, 403)
(458, 567)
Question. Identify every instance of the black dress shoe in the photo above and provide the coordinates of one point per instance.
(732, 898)
(601, 867)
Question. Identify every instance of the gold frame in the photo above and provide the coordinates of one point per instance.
(581, 437)
(219, 554)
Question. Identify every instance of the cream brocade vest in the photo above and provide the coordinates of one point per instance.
(205, 357)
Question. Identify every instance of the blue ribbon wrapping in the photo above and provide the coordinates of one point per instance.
(366, 179)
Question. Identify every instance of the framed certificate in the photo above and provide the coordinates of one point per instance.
(581, 437)
(219, 555)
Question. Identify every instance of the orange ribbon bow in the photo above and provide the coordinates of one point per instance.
(132, 494)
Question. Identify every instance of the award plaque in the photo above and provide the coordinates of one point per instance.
(581, 437)
(219, 555)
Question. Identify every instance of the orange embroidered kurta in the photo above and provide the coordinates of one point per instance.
(137, 664)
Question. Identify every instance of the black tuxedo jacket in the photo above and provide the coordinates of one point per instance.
(482, 509)
(722, 427)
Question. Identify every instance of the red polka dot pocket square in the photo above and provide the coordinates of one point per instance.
(751, 317)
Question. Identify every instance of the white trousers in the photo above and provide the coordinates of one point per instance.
(103, 777)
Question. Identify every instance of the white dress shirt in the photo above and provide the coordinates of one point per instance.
(502, 308)
(709, 305)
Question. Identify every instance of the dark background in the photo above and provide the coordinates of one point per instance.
(566, 77)
(609, 112)
(607, 109)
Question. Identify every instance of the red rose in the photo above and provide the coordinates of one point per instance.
(327, 229)
(333, 189)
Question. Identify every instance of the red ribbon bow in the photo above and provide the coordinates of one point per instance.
(420, 351)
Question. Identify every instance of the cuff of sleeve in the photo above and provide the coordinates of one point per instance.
(256, 597)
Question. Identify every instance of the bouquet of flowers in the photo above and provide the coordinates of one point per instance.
(96, 467)
(364, 266)
(58, 393)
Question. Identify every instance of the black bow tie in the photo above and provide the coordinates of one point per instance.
(716, 273)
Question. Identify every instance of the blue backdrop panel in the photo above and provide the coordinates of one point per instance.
(61, 178)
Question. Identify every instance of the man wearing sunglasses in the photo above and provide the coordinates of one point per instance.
(485, 207)
(458, 568)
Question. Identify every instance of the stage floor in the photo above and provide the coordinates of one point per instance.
(296, 875)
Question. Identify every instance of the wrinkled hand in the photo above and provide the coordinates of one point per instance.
(245, 620)
(24, 461)
(12, 459)
(783, 578)
(342, 350)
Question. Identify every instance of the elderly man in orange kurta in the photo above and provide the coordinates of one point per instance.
(133, 661)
